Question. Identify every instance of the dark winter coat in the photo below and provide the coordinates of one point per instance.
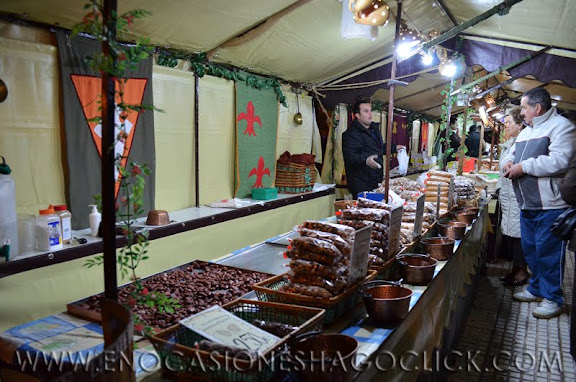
(473, 144)
(358, 143)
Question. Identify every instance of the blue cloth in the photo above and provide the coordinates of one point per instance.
(544, 253)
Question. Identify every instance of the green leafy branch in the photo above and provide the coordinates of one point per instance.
(132, 178)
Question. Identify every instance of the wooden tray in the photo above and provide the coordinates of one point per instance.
(78, 308)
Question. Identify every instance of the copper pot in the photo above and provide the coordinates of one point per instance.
(453, 230)
(157, 217)
(466, 217)
(417, 268)
(324, 357)
(472, 209)
(387, 302)
(439, 248)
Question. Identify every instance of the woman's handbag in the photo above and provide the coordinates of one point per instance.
(565, 224)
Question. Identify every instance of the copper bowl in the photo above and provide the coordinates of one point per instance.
(417, 268)
(439, 248)
(157, 217)
(386, 302)
(472, 209)
(466, 217)
(324, 357)
(452, 230)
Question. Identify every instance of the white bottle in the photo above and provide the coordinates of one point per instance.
(65, 222)
(95, 219)
(48, 231)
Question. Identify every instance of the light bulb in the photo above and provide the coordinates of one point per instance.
(427, 59)
(406, 47)
(448, 68)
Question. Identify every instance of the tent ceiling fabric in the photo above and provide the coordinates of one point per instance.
(305, 45)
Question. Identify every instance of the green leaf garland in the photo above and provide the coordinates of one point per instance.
(200, 65)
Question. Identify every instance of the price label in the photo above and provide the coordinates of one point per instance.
(219, 325)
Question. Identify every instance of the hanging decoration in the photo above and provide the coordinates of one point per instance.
(369, 12)
(350, 29)
(201, 66)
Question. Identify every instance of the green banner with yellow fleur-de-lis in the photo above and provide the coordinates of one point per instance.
(256, 136)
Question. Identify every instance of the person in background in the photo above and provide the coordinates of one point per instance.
(568, 192)
(363, 150)
(473, 142)
(536, 164)
(510, 221)
(454, 143)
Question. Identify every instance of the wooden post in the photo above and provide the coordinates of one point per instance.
(108, 157)
(463, 139)
(391, 103)
(479, 162)
(447, 127)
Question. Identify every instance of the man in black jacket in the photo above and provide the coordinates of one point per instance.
(473, 142)
(363, 150)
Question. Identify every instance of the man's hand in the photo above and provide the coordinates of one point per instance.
(513, 171)
(506, 167)
(371, 162)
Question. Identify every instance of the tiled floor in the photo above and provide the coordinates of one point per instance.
(506, 343)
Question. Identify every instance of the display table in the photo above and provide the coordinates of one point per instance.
(437, 311)
(401, 353)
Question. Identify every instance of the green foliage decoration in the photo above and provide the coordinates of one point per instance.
(200, 65)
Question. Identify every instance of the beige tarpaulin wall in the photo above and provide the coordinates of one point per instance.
(174, 137)
(30, 124)
(217, 142)
(296, 139)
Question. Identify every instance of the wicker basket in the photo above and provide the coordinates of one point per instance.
(182, 361)
(294, 178)
(336, 306)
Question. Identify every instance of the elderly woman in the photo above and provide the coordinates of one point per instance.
(510, 222)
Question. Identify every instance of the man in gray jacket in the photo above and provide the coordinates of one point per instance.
(536, 164)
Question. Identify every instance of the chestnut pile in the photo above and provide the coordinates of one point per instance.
(197, 286)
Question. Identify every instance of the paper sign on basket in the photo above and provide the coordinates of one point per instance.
(219, 325)
(359, 258)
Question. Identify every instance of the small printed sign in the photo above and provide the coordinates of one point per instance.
(219, 325)
(359, 258)
(418, 217)
(394, 231)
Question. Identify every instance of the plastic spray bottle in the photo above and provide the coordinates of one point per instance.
(95, 219)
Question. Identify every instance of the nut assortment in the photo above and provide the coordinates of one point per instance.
(373, 213)
(197, 286)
